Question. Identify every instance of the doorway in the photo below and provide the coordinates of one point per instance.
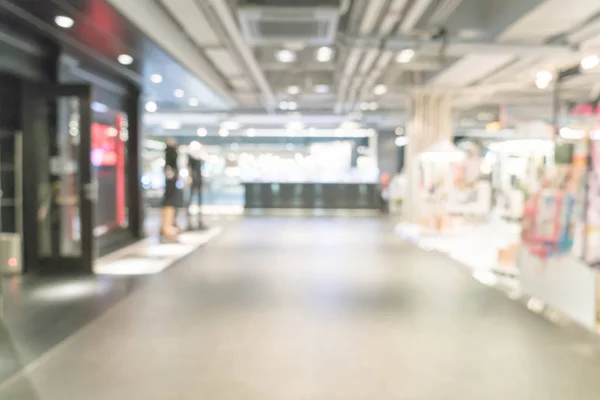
(59, 189)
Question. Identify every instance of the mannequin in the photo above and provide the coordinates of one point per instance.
(195, 164)
(168, 230)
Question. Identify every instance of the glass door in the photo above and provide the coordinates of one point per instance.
(58, 181)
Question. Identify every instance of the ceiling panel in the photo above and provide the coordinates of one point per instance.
(550, 18)
(470, 69)
(223, 60)
(193, 21)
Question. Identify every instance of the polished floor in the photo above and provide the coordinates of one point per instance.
(315, 309)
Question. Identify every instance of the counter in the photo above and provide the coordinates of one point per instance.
(308, 195)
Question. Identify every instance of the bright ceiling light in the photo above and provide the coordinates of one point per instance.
(294, 89)
(380, 90)
(590, 62)
(125, 59)
(285, 56)
(544, 76)
(405, 56)
(171, 125)
(399, 131)
(179, 93)
(193, 102)
(250, 132)
(401, 141)
(324, 54)
(542, 84)
(230, 125)
(201, 132)
(151, 107)
(322, 88)
(223, 132)
(156, 78)
(63, 21)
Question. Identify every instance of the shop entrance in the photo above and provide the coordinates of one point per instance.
(59, 189)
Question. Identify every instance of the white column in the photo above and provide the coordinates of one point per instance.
(429, 121)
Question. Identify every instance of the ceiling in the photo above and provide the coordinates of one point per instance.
(354, 60)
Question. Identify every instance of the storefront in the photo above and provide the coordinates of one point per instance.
(69, 151)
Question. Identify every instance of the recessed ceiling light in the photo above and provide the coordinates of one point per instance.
(251, 132)
(125, 59)
(321, 88)
(399, 131)
(156, 78)
(380, 89)
(63, 21)
(201, 132)
(324, 54)
(590, 62)
(223, 132)
(294, 89)
(193, 102)
(405, 56)
(151, 107)
(285, 56)
(542, 84)
(179, 93)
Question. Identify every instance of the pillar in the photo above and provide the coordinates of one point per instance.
(429, 118)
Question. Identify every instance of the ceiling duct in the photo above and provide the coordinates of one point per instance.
(268, 22)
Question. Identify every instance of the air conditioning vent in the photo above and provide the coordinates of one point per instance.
(272, 25)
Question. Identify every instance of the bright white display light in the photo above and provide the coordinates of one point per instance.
(230, 125)
(125, 59)
(590, 62)
(63, 21)
(156, 78)
(294, 125)
(193, 102)
(171, 125)
(201, 132)
(401, 141)
(223, 132)
(380, 90)
(285, 56)
(369, 106)
(288, 105)
(179, 93)
(405, 56)
(324, 54)
(571, 134)
(151, 107)
(321, 89)
(544, 76)
(294, 89)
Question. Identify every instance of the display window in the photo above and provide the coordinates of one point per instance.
(109, 158)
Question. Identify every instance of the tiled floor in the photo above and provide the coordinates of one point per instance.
(316, 309)
(39, 312)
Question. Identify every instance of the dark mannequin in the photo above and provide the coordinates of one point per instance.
(168, 229)
(195, 168)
